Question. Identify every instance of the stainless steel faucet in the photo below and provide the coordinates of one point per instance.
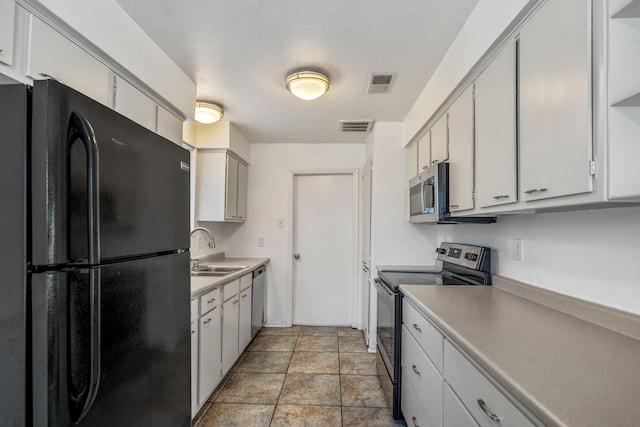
(212, 242)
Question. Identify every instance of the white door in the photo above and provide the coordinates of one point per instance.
(365, 279)
(324, 251)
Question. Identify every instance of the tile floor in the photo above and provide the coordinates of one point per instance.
(300, 376)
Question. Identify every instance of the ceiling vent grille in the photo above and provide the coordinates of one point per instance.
(380, 83)
(355, 125)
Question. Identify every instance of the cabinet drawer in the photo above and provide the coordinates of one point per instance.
(411, 409)
(231, 289)
(424, 378)
(455, 414)
(246, 281)
(209, 300)
(194, 309)
(427, 336)
(474, 390)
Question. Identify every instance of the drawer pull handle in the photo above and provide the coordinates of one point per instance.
(235, 302)
(193, 332)
(502, 196)
(489, 414)
(535, 190)
(413, 420)
(211, 300)
(415, 370)
(417, 328)
(207, 321)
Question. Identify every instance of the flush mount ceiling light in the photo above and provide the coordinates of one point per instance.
(307, 85)
(208, 113)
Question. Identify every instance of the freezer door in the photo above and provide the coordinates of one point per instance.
(13, 128)
(111, 345)
(102, 186)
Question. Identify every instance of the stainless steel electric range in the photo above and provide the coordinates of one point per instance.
(461, 265)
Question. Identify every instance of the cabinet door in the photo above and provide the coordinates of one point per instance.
(495, 118)
(424, 153)
(133, 104)
(168, 125)
(230, 312)
(209, 374)
(242, 191)
(50, 54)
(455, 414)
(461, 167)
(555, 101)
(210, 185)
(440, 140)
(7, 22)
(231, 194)
(244, 327)
(194, 368)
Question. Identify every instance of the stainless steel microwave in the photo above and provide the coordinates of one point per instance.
(429, 198)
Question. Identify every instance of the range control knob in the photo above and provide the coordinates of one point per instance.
(441, 251)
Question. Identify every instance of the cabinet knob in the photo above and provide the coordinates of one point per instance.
(297, 256)
(206, 322)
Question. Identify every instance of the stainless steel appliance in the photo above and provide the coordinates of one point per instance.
(461, 265)
(429, 198)
(95, 263)
(257, 298)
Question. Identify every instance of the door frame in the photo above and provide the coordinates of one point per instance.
(354, 290)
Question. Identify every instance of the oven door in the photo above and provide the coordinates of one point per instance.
(386, 326)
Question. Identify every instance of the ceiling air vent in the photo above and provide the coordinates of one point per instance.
(380, 83)
(355, 125)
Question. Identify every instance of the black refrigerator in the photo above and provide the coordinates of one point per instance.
(94, 293)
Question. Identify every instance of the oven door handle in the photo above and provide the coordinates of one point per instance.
(382, 288)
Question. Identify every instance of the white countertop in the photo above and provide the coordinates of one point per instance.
(202, 284)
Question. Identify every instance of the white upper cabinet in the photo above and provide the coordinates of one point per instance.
(461, 168)
(50, 54)
(439, 140)
(555, 101)
(495, 118)
(168, 125)
(221, 187)
(7, 22)
(424, 152)
(243, 178)
(131, 103)
(412, 160)
(231, 199)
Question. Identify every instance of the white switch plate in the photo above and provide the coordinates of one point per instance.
(261, 242)
(518, 250)
(280, 222)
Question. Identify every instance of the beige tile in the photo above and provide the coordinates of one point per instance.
(349, 332)
(352, 345)
(358, 364)
(367, 417)
(273, 343)
(293, 330)
(304, 362)
(251, 388)
(319, 330)
(310, 389)
(360, 390)
(237, 415)
(307, 416)
(266, 362)
(317, 343)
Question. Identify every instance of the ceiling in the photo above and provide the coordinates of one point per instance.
(240, 52)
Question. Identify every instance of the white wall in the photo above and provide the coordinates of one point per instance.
(394, 240)
(487, 21)
(269, 199)
(591, 255)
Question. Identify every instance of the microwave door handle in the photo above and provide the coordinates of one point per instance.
(80, 128)
(424, 208)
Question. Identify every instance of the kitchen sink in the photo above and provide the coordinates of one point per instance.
(215, 270)
(229, 269)
(209, 273)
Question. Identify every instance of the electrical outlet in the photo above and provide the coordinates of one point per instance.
(518, 250)
(261, 242)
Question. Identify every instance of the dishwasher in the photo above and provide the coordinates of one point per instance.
(258, 297)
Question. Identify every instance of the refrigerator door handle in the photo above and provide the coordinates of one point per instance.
(81, 402)
(80, 128)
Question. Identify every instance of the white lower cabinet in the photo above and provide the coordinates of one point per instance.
(209, 370)
(230, 319)
(244, 326)
(488, 406)
(455, 414)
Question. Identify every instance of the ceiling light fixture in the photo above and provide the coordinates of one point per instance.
(207, 112)
(307, 85)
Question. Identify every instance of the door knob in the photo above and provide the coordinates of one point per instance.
(297, 256)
